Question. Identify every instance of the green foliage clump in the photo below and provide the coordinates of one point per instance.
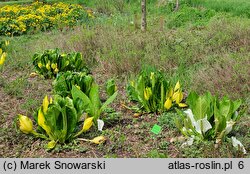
(58, 121)
(63, 83)
(111, 87)
(208, 117)
(154, 92)
(51, 62)
(189, 15)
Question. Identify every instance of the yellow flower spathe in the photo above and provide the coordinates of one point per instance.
(182, 105)
(178, 97)
(177, 86)
(48, 66)
(53, 65)
(56, 70)
(41, 122)
(147, 93)
(87, 124)
(168, 103)
(40, 65)
(51, 144)
(26, 125)
(78, 87)
(98, 140)
(170, 92)
(45, 104)
(7, 43)
(3, 58)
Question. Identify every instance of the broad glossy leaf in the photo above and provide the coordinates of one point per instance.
(72, 118)
(76, 93)
(200, 108)
(192, 98)
(225, 107)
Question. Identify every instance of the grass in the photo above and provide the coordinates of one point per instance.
(239, 7)
(213, 56)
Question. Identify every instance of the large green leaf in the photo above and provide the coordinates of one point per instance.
(77, 93)
(108, 101)
(220, 121)
(52, 116)
(191, 99)
(163, 96)
(71, 117)
(200, 108)
(95, 101)
(236, 105)
(225, 107)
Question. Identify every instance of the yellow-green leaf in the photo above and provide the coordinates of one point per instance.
(182, 105)
(147, 93)
(177, 86)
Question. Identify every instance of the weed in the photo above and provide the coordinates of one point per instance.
(166, 120)
(156, 154)
(16, 87)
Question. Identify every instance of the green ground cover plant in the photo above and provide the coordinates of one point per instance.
(239, 8)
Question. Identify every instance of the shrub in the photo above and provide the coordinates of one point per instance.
(20, 19)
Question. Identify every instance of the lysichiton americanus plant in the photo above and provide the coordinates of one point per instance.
(51, 62)
(154, 93)
(3, 51)
(58, 121)
(208, 118)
